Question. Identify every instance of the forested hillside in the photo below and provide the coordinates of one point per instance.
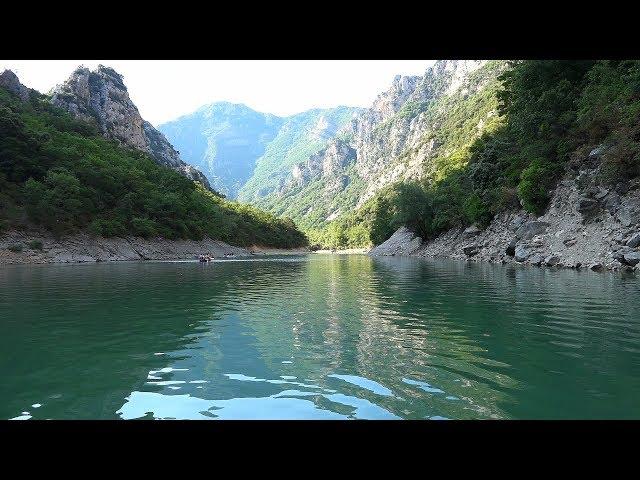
(60, 173)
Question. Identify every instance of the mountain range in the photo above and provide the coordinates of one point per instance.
(319, 164)
(247, 154)
(448, 152)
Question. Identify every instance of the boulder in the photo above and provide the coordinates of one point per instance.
(612, 202)
(597, 152)
(631, 259)
(569, 242)
(536, 259)
(516, 223)
(587, 206)
(471, 231)
(619, 256)
(622, 187)
(629, 213)
(591, 191)
(470, 250)
(521, 253)
(402, 242)
(602, 192)
(634, 241)
(537, 241)
(552, 260)
(530, 229)
(620, 252)
(596, 267)
(583, 180)
(618, 238)
(615, 265)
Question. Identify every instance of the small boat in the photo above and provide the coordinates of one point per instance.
(205, 258)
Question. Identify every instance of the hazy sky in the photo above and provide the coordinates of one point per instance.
(163, 90)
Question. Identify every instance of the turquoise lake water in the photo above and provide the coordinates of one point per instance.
(317, 337)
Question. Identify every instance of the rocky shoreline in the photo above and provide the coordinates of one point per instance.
(35, 246)
(586, 225)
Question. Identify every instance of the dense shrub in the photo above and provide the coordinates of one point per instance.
(35, 245)
(535, 182)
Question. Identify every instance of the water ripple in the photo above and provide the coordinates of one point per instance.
(317, 337)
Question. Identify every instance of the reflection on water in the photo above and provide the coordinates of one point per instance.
(317, 337)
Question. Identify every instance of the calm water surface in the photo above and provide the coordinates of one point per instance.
(317, 337)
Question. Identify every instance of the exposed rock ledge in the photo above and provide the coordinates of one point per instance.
(586, 226)
(402, 242)
(82, 247)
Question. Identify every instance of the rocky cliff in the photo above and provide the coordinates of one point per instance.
(10, 81)
(587, 225)
(100, 96)
(398, 138)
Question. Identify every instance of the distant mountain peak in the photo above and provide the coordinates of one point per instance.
(232, 142)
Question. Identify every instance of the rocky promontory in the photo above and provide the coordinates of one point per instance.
(588, 224)
(101, 96)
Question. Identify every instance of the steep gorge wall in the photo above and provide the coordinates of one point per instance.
(397, 138)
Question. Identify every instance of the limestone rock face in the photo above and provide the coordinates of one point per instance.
(396, 139)
(402, 242)
(560, 238)
(326, 163)
(101, 97)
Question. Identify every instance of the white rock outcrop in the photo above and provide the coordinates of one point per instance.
(101, 97)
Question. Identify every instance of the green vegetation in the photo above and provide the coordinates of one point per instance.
(35, 245)
(58, 172)
(15, 248)
(296, 141)
(452, 123)
(549, 113)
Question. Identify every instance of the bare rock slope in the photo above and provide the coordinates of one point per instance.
(41, 247)
(587, 225)
(101, 96)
